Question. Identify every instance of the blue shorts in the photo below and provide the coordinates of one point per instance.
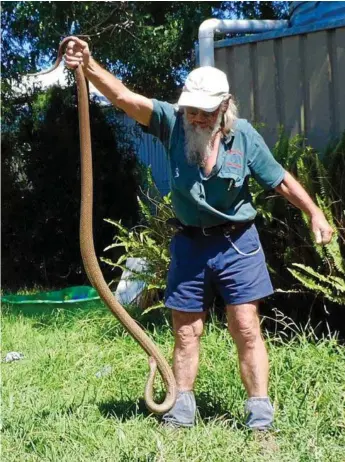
(232, 266)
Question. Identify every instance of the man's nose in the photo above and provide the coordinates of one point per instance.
(199, 118)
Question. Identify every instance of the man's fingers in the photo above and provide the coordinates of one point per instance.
(77, 52)
(73, 58)
(321, 228)
(73, 52)
(73, 62)
(318, 237)
(326, 236)
(323, 236)
(78, 41)
(70, 47)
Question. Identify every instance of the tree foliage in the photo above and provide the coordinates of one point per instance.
(41, 188)
(149, 44)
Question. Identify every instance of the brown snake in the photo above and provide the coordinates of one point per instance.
(93, 271)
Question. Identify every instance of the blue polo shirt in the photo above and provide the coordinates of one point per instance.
(224, 194)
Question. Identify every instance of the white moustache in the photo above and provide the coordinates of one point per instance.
(199, 141)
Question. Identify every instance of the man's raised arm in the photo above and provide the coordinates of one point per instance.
(135, 106)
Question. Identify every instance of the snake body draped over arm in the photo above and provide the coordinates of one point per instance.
(92, 268)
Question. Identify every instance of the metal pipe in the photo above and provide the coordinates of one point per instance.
(211, 26)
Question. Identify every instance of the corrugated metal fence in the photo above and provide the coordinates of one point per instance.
(150, 152)
(293, 78)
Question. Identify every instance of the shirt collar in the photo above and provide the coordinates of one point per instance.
(227, 139)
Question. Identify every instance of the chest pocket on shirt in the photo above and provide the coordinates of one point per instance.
(183, 176)
(233, 169)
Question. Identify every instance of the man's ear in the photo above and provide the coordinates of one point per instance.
(225, 103)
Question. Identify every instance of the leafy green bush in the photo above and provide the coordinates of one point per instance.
(149, 241)
(320, 269)
(328, 190)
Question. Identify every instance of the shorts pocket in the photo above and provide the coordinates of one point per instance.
(246, 243)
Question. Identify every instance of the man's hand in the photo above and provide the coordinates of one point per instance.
(77, 52)
(136, 106)
(298, 196)
(322, 230)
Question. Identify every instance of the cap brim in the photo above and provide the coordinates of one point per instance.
(200, 101)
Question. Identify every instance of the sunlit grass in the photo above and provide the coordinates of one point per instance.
(55, 408)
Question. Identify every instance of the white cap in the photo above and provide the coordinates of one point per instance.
(205, 88)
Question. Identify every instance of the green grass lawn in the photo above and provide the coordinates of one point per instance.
(54, 408)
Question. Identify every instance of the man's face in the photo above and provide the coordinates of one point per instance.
(202, 119)
(200, 130)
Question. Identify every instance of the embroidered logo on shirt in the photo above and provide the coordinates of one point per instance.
(233, 164)
(177, 172)
(235, 151)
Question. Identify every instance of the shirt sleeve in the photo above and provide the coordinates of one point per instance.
(162, 121)
(263, 166)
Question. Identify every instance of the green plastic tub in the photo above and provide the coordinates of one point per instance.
(76, 294)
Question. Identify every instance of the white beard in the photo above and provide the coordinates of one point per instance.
(199, 141)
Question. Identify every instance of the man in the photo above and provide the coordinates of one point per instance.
(212, 153)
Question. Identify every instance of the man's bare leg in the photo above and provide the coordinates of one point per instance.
(244, 327)
(188, 328)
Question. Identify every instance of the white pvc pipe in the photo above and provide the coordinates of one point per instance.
(210, 26)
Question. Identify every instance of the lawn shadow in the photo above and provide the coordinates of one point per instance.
(211, 409)
(207, 410)
(123, 410)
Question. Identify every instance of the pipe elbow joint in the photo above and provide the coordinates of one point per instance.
(207, 28)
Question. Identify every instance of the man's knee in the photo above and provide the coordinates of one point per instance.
(245, 328)
(188, 327)
(247, 333)
(188, 334)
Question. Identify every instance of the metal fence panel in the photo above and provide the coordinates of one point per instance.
(294, 81)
